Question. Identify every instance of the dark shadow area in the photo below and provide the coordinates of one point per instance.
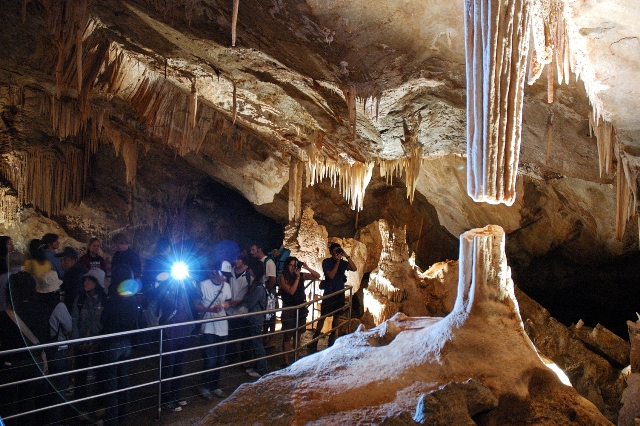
(606, 293)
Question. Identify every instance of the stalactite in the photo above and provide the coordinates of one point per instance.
(193, 104)
(9, 205)
(66, 21)
(24, 10)
(47, 178)
(234, 21)
(605, 138)
(550, 83)
(627, 194)
(353, 177)
(235, 104)
(350, 99)
(496, 53)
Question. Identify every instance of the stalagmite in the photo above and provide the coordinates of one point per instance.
(234, 21)
(496, 52)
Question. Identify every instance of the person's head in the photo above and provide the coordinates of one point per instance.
(256, 270)
(290, 264)
(220, 271)
(68, 257)
(22, 286)
(256, 251)
(240, 260)
(335, 250)
(51, 241)
(120, 242)
(93, 279)
(93, 248)
(163, 246)
(36, 250)
(48, 282)
(6, 245)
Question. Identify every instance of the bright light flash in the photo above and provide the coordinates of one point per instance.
(179, 271)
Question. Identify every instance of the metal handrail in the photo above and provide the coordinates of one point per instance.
(161, 353)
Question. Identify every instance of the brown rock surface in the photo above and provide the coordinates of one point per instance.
(482, 338)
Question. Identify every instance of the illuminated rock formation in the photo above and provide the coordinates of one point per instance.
(381, 374)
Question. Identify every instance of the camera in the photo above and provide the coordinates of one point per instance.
(339, 251)
(298, 265)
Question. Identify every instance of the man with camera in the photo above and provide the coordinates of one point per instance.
(334, 268)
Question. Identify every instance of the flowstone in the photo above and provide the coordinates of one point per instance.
(355, 382)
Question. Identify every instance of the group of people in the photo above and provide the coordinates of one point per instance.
(54, 296)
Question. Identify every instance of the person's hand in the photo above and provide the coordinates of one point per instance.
(297, 271)
(216, 308)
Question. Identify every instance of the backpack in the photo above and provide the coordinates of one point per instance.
(271, 304)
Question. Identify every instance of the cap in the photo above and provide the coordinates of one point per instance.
(68, 252)
(225, 268)
(48, 282)
(97, 274)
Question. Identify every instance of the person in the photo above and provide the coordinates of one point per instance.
(216, 296)
(125, 256)
(174, 304)
(269, 281)
(292, 292)
(334, 268)
(256, 301)
(6, 246)
(239, 284)
(86, 310)
(92, 259)
(156, 264)
(60, 326)
(279, 257)
(16, 260)
(52, 243)
(25, 306)
(38, 263)
(120, 314)
(73, 273)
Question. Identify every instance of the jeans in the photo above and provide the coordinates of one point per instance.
(255, 324)
(116, 377)
(213, 358)
(173, 366)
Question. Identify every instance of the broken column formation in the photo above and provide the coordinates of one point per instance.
(496, 54)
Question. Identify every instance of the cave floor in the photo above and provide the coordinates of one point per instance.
(143, 401)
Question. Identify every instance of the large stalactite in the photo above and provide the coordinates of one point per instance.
(496, 52)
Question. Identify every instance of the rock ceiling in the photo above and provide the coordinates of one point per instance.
(345, 87)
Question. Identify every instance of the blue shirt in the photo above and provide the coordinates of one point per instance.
(337, 283)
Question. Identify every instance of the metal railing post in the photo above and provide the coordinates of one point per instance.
(160, 375)
(295, 337)
(350, 305)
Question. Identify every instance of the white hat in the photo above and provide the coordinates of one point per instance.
(97, 274)
(48, 282)
(225, 267)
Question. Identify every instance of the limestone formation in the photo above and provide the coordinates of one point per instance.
(482, 339)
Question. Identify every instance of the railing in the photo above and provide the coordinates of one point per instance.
(145, 352)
